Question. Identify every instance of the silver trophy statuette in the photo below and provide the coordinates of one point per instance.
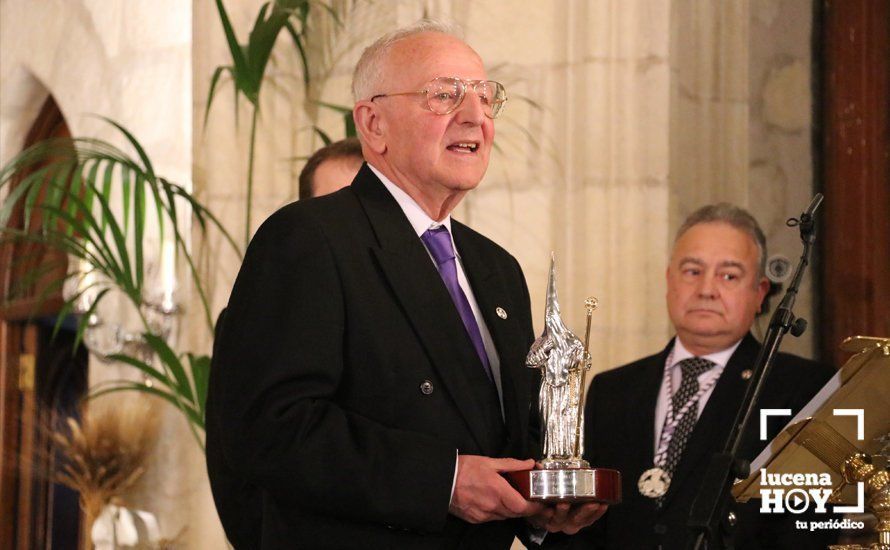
(563, 361)
(562, 474)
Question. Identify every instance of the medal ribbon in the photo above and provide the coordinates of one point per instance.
(671, 421)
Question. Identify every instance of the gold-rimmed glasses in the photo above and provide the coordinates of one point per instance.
(444, 94)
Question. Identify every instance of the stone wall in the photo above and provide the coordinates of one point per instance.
(131, 62)
(625, 115)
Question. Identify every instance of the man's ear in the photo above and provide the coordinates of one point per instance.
(370, 125)
(762, 289)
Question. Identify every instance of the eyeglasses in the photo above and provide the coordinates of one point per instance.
(444, 94)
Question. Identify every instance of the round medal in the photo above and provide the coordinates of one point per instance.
(654, 483)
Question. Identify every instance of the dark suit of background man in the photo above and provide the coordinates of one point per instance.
(716, 286)
(366, 372)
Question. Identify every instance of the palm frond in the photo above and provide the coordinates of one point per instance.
(184, 385)
(249, 60)
(248, 67)
(86, 194)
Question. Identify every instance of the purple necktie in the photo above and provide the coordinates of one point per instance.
(438, 242)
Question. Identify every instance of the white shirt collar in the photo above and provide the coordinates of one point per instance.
(720, 358)
(419, 219)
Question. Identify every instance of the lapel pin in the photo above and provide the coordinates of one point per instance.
(746, 374)
(502, 313)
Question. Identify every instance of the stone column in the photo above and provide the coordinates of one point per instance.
(583, 163)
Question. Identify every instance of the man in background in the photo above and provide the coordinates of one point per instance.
(659, 420)
(331, 168)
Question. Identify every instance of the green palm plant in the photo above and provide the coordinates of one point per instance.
(182, 384)
(249, 63)
(92, 201)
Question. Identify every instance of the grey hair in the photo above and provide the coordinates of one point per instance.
(369, 69)
(734, 216)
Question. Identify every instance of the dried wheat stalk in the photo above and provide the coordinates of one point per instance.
(105, 452)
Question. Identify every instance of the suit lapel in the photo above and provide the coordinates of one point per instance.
(643, 421)
(490, 291)
(418, 288)
(625, 425)
(712, 429)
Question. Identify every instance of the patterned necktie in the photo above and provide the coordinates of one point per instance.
(691, 368)
(438, 242)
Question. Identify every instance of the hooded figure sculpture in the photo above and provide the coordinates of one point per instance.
(562, 358)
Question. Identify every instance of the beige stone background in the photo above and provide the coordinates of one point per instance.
(625, 115)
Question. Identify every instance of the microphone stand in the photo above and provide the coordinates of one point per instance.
(709, 519)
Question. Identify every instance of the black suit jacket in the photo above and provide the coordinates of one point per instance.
(620, 434)
(336, 321)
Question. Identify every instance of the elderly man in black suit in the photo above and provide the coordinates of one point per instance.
(660, 419)
(368, 381)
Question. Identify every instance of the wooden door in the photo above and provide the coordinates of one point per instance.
(41, 381)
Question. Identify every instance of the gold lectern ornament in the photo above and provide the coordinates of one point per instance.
(562, 474)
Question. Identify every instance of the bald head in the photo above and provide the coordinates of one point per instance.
(371, 70)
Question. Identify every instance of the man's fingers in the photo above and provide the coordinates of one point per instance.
(587, 514)
(560, 514)
(512, 464)
(542, 518)
(571, 520)
(517, 506)
(482, 494)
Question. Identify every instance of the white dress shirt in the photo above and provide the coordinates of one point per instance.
(679, 353)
